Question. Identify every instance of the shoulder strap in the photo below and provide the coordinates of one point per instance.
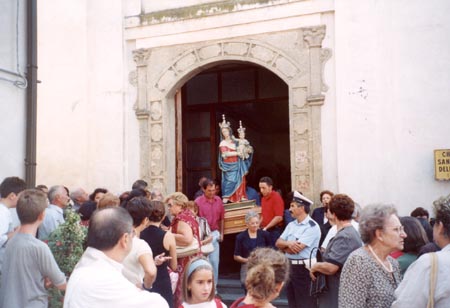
(218, 302)
(310, 255)
(433, 274)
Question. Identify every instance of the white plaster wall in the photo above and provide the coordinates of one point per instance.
(328, 111)
(12, 98)
(82, 124)
(392, 97)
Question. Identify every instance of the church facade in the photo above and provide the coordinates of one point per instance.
(366, 88)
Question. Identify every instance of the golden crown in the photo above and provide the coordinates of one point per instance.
(241, 130)
(224, 123)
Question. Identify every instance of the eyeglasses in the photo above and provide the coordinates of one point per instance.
(399, 229)
(132, 233)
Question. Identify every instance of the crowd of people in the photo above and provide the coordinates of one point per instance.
(144, 249)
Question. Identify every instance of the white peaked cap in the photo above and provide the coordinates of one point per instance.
(298, 197)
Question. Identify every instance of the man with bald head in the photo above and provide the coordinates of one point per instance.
(78, 196)
(57, 195)
(97, 280)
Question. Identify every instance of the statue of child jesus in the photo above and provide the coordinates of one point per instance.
(244, 149)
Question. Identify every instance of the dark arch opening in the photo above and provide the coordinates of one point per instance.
(243, 92)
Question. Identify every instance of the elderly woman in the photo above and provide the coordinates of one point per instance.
(248, 240)
(185, 229)
(340, 210)
(370, 276)
(268, 270)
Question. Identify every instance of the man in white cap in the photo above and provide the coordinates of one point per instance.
(297, 241)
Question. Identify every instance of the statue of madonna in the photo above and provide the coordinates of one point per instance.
(235, 159)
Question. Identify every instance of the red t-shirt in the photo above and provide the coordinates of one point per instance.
(271, 206)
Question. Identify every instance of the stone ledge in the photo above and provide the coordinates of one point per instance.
(200, 10)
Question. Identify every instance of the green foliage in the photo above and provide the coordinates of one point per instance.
(67, 244)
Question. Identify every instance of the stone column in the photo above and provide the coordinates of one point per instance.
(300, 131)
(141, 57)
(157, 147)
(313, 38)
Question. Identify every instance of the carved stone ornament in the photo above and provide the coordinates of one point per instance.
(301, 124)
(156, 132)
(325, 55)
(132, 78)
(156, 110)
(303, 183)
(314, 36)
(158, 184)
(156, 164)
(141, 56)
(247, 50)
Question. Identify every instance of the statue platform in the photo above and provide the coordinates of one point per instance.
(235, 215)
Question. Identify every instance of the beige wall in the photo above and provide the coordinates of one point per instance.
(82, 111)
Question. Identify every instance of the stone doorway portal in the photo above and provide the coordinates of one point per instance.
(243, 92)
(295, 56)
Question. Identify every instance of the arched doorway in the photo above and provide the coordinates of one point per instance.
(162, 72)
(243, 92)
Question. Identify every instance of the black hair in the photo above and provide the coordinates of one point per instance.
(139, 209)
(139, 184)
(12, 184)
(267, 180)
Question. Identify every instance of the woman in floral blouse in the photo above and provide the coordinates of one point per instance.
(370, 276)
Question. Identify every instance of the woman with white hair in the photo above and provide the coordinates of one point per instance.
(248, 240)
(370, 276)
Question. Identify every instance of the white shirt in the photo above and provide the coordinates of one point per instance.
(5, 228)
(211, 304)
(14, 218)
(333, 231)
(97, 281)
(132, 269)
(414, 289)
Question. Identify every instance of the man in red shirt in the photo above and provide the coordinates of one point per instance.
(272, 209)
(211, 208)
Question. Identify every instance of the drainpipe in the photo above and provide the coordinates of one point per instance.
(31, 97)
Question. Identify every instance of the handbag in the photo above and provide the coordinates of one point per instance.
(205, 233)
(207, 249)
(319, 286)
(190, 250)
